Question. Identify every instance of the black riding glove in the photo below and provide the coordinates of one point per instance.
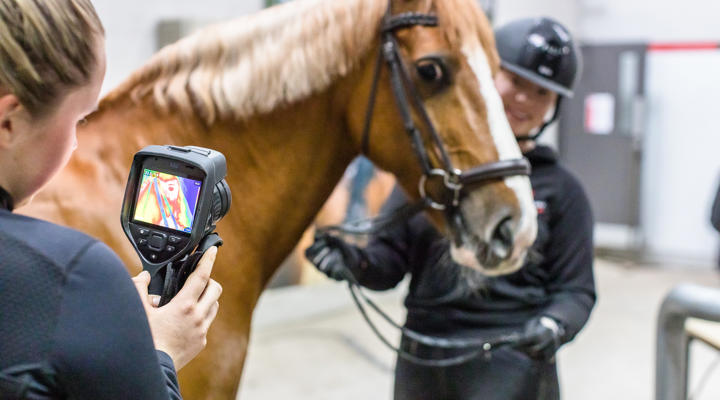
(542, 338)
(333, 256)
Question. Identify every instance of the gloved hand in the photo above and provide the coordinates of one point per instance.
(541, 338)
(333, 256)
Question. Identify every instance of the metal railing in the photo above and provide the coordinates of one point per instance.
(672, 351)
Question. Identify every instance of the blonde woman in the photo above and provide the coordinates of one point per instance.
(71, 322)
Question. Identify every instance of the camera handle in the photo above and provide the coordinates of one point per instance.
(177, 273)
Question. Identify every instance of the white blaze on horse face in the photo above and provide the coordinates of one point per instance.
(507, 148)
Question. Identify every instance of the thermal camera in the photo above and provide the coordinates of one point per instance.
(173, 200)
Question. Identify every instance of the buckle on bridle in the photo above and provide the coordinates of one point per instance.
(451, 180)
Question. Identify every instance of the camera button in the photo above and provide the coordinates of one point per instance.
(170, 248)
(158, 240)
(174, 239)
(144, 231)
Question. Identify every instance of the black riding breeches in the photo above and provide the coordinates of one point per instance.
(506, 375)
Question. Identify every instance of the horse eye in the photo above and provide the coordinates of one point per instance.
(430, 71)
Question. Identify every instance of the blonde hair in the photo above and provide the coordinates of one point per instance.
(46, 47)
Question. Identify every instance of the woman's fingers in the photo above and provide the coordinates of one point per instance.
(210, 296)
(142, 281)
(198, 280)
(210, 317)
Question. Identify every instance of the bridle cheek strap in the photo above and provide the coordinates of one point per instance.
(407, 99)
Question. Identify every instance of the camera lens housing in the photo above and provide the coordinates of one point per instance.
(222, 200)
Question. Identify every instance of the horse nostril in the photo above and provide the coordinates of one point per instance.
(490, 253)
(503, 234)
(500, 246)
(499, 249)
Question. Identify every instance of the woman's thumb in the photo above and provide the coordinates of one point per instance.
(142, 281)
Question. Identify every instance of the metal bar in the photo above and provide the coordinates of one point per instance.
(683, 302)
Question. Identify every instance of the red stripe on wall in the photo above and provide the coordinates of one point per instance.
(683, 46)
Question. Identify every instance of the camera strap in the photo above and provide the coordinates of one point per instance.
(177, 273)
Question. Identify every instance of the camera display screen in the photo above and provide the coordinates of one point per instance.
(167, 200)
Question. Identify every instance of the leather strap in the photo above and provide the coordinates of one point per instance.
(407, 20)
(497, 170)
(176, 274)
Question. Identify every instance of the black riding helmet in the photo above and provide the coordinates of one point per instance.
(542, 51)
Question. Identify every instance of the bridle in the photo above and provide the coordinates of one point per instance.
(454, 180)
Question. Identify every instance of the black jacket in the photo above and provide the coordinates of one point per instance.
(442, 302)
(71, 322)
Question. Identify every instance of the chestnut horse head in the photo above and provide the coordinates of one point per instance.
(285, 95)
(440, 64)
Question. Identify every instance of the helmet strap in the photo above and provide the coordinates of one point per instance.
(545, 124)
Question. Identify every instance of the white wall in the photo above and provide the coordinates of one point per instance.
(648, 20)
(565, 11)
(681, 165)
(130, 27)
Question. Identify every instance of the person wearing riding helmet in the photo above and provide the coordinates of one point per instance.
(548, 301)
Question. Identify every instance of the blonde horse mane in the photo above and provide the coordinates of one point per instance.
(253, 64)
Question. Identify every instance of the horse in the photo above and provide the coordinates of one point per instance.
(296, 269)
(284, 95)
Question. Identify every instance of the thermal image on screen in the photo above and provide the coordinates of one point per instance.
(167, 200)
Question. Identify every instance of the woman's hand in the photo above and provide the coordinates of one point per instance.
(180, 327)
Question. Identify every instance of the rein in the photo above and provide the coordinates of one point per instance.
(454, 181)
(475, 346)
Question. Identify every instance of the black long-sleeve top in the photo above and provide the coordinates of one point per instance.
(71, 322)
(441, 299)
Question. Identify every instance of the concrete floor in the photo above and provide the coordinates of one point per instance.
(310, 342)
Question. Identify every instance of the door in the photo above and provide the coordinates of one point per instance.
(600, 131)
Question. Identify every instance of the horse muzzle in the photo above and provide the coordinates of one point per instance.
(491, 236)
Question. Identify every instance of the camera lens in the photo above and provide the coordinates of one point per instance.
(222, 198)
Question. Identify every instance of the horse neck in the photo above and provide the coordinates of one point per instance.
(115, 132)
(282, 166)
